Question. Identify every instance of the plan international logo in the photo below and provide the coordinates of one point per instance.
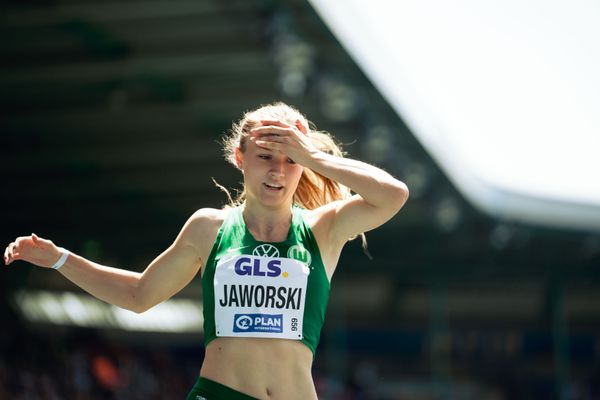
(258, 323)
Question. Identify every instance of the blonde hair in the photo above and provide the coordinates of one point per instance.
(314, 190)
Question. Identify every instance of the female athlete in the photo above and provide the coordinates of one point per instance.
(266, 260)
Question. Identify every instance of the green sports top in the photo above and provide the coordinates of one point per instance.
(264, 289)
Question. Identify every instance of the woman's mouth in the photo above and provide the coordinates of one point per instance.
(273, 187)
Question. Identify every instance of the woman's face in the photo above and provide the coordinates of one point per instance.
(269, 176)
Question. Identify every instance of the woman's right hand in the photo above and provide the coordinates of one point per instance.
(34, 250)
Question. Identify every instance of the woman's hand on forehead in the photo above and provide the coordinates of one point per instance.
(274, 128)
(290, 140)
(266, 124)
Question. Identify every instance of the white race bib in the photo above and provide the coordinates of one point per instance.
(260, 297)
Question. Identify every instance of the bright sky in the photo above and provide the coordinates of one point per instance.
(505, 95)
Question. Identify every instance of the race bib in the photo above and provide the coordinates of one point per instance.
(259, 296)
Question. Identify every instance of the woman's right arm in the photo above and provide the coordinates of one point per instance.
(136, 291)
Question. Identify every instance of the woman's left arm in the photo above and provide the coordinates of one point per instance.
(379, 196)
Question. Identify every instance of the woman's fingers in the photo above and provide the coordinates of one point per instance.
(297, 124)
(270, 130)
(15, 250)
(272, 138)
(268, 144)
(275, 123)
(11, 253)
(269, 141)
(277, 127)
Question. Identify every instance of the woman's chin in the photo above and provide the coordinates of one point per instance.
(273, 199)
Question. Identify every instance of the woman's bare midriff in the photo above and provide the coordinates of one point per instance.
(274, 369)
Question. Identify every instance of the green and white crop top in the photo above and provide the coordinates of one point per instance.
(264, 289)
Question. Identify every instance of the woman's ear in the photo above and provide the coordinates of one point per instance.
(239, 158)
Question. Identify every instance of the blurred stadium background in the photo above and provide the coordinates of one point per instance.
(111, 114)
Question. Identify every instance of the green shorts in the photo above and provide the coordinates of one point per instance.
(205, 389)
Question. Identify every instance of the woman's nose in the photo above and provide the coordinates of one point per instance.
(276, 170)
(275, 173)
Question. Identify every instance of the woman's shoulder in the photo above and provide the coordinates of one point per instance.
(208, 220)
(208, 215)
(203, 227)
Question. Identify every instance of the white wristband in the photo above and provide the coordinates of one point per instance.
(62, 259)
